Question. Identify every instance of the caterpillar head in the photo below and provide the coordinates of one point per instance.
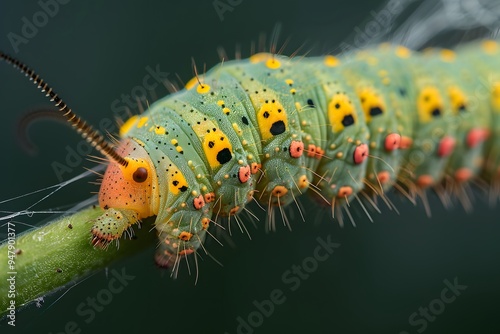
(132, 186)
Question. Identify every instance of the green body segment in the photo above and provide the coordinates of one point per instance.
(270, 128)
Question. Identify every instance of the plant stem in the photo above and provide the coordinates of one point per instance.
(56, 254)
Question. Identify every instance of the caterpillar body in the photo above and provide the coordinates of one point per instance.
(270, 127)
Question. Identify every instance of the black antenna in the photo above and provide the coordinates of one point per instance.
(86, 131)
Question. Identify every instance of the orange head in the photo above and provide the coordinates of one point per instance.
(132, 187)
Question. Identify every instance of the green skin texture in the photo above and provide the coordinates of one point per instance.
(55, 255)
(243, 85)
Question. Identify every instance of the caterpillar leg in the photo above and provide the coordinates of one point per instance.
(111, 225)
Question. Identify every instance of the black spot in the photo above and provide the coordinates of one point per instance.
(183, 188)
(211, 144)
(337, 105)
(462, 107)
(374, 111)
(402, 91)
(266, 114)
(348, 120)
(277, 128)
(310, 103)
(175, 183)
(244, 120)
(224, 156)
(436, 112)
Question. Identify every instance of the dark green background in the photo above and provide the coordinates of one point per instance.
(93, 52)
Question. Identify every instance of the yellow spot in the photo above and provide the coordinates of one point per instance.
(448, 55)
(289, 82)
(386, 81)
(174, 142)
(382, 73)
(160, 130)
(372, 61)
(495, 96)
(214, 143)
(179, 149)
(273, 63)
(191, 83)
(331, 61)
(220, 103)
(429, 104)
(142, 122)
(203, 88)
(457, 98)
(259, 57)
(340, 110)
(125, 128)
(340, 155)
(403, 52)
(371, 102)
(303, 182)
(237, 129)
(490, 47)
(226, 111)
(293, 91)
(298, 106)
(176, 180)
(272, 119)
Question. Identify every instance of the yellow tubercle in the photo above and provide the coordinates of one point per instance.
(160, 130)
(273, 63)
(490, 46)
(203, 88)
(331, 61)
(403, 52)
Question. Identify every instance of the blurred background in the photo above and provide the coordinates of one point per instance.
(93, 52)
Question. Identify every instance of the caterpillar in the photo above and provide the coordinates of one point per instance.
(270, 275)
(270, 128)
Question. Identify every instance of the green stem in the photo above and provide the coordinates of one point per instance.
(56, 254)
